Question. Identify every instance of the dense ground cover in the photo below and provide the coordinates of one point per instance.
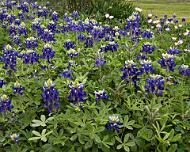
(162, 7)
(70, 83)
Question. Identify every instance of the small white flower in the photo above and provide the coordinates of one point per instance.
(138, 9)
(187, 50)
(149, 15)
(167, 29)
(180, 25)
(174, 38)
(156, 21)
(176, 27)
(158, 26)
(107, 15)
(111, 17)
(150, 21)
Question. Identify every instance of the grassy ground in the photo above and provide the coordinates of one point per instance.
(160, 7)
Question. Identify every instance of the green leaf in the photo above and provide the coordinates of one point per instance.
(126, 148)
(36, 133)
(97, 138)
(34, 138)
(88, 144)
(131, 144)
(176, 138)
(126, 138)
(43, 118)
(74, 137)
(145, 133)
(173, 148)
(120, 146)
(43, 138)
(118, 139)
(43, 132)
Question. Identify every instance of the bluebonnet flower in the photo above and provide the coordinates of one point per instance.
(42, 12)
(141, 57)
(31, 43)
(72, 53)
(12, 30)
(9, 57)
(147, 48)
(35, 24)
(147, 33)
(30, 57)
(17, 22)
(2, 82)
(10, 18)
(133, 22)
(51, 26)
(173, 51)
(167, 61)
(17, 88)
(69, 45)
(184, 70)
(22, 29)
(81, 37)
(183, 19)
(66, 73)
(131, 72)
(35, 5)
(171, 81)
(24, 6)
(48, 53)
(111, 46)
(15, 138)
(46, 35)
(77, 93)
(155, 85)
(100, 95)
(89, 42)
(67, 18)
(50, 96)
(146, 66)
(54, 16)
(5, 104)
(100, 60)
(114, 123)
(74, 14)
(16, 39)
(21, 15)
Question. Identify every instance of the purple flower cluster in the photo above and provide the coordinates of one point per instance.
(47, 52)
(30, 57)
(5, 104)
(69, 45)
(146, 66)
(173, 51)
(15, 138)
(18, 89)
(31, 43)
(77, 93)
(72, 53)
(50, 96)
(131, 72)
(67, 73)
(111, 46)
(100, 95)
(167, 61)
(113, 123)
(155, 85)
(9, 57)
(2, 82)
(184, 70)
(147, 48)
